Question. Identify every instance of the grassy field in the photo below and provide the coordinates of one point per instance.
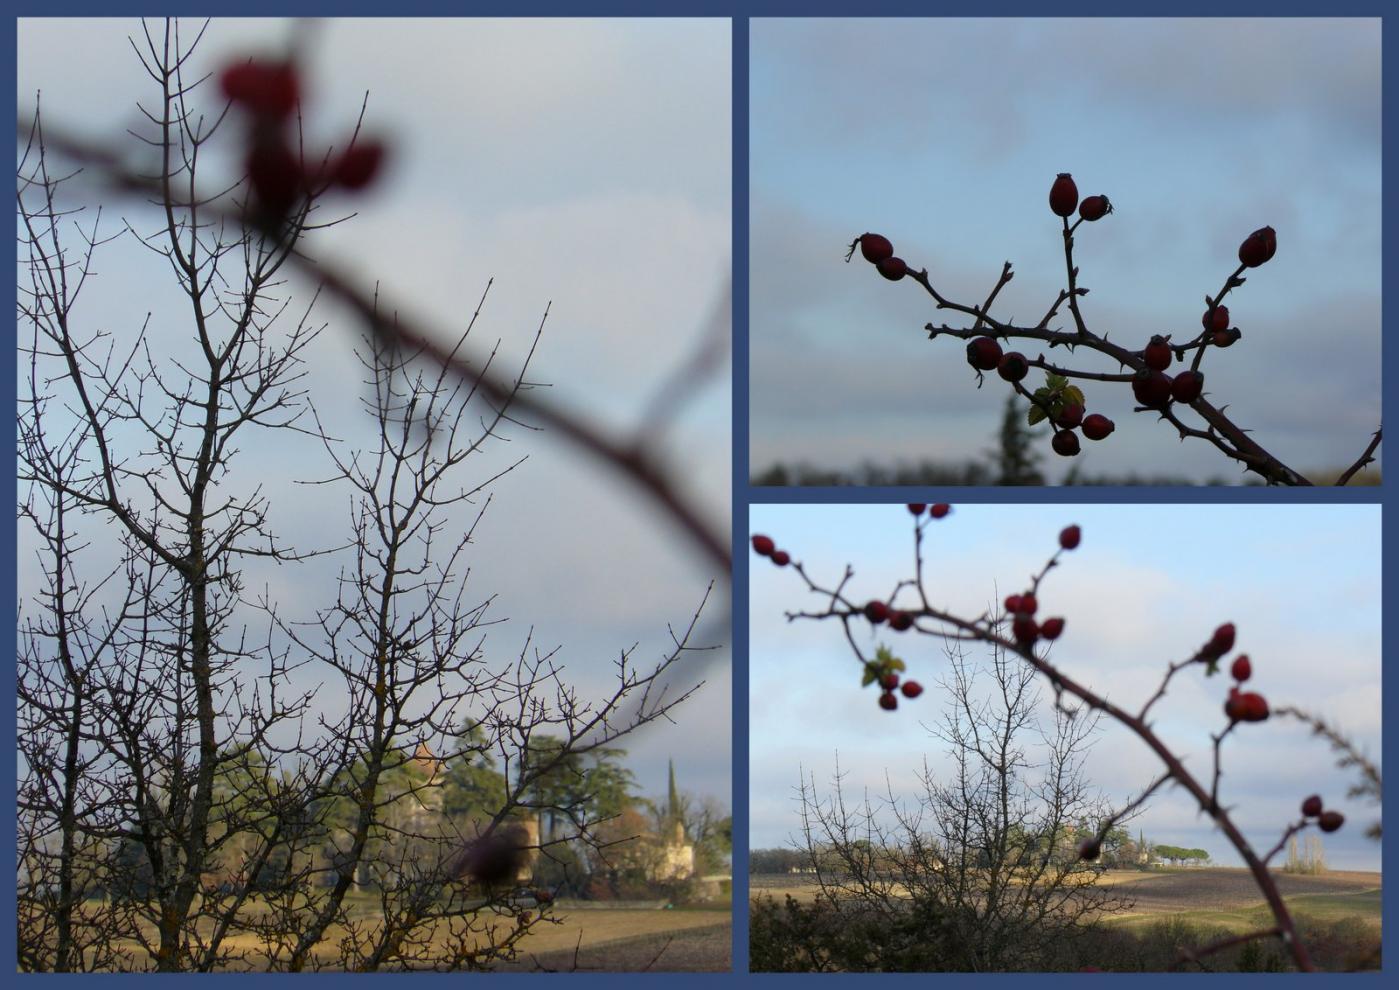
(1217, 897)
(586, 937)
(1338, 916)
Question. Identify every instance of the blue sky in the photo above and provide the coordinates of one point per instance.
(583, 163)
(945, 135)
(1147, 586)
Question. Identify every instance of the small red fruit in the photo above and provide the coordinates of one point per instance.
(1187, 386)
(983, 353)
(900, 621)
(1152, 388)
(1063, 195)
(1255, 707)
(875, 248)
(267, 88)
(911, 689)
(1065, 443)
(1013, 366)
(1013, 604)
(1311, 807)
(888, 701)
(1234, 707)
(1051, 628)
(876, 611)
(1241, 670)
(1216, 319)
(1069, 537)
(1258, 247)
(763, 546)
(1025, 630)
(1096, 426)
(1329, 821)
(1094, 208)
(889, 681)
(1029, 604)
(892, 268)
(1157, 355)
(1223, 338)
(1222, 641)
(781, 558)
(939, 510)
(359, 165)
(1070, 416)
(917, 508)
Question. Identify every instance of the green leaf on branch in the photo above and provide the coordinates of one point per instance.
(869, 677)
(1056, 383)
(1073, 395)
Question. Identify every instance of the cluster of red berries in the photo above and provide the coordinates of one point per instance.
(1241, 706)
(888, 700)
(1154, 388)
(984, 354)
(764, 547)
(1327, 821)
(878, 612)
(938, 510)
(1023, 626)
(878, 251)
(270, 92)
(1063, 197)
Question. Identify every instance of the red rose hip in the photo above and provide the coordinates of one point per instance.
(888, 701)
(1216, 319)
(1241, 670)
(875, 248)
(1096, 426)
(1070, 416)
(1051, 628)
(1069, 537)
(939, 510)
(1311, 807)
(1013, 367)
(1094, 208)
(1330, 821)
(781, 558)
(911, 689)
(763, 546)
(1157, 355)
(1258, 248)
(1151, 388)
(1063, 195)
(892, 268)
(1187, 386)
(876, 611)
(983, 353)
(1065, 443)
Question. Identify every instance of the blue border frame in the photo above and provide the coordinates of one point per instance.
(742, 492)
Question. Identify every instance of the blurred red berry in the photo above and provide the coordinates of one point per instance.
(1051, 628)
(1241, 670)
(1029, 604)
(359, 165)
(900, 621)
(1330, 820)
(781, 558)
(1025, 630)
(888, 701)
(889, 681)
(763, 546)
(939, 510)
(1222, 641)
(916, 508)
(876, 611)
(1311, 807)
(911, 689)
(1216, 319)
(1012, 604)
(1069, 537)
(270, 89)
(275, 175)
(892, 268)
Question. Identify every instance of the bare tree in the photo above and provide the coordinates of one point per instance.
(980, 870)
(195, 795)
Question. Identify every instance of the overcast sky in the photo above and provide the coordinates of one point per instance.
(584, 163)
(945, 136)
(1147, 586)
